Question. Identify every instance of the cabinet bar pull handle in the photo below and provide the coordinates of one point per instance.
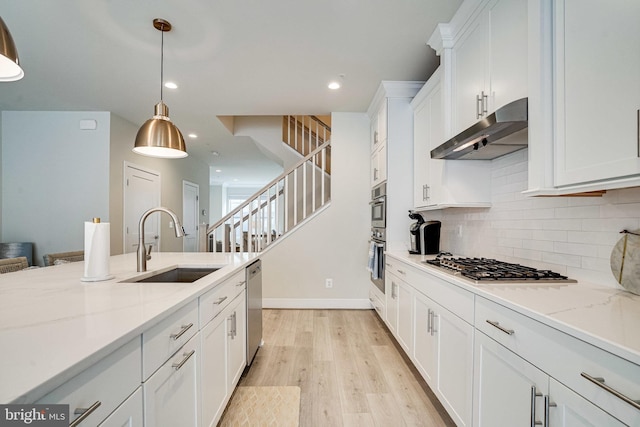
(219, 300)
(84, 413)
(478, 107)
(433, 322)
(502, 328)
(534, 394)
(547, 404)
(184, 329)
(401, 271)
(187, 356)
(429, 326)
(240, 283)
(600, 383)
(485, 104)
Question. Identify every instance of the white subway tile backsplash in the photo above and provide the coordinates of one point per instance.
(623, 210)
(574, 212)
(562, 224)
(575, 249)
(573, 236)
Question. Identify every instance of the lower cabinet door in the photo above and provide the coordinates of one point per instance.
(508, 390)
(426, 351)
(455, 364)
(214, 370)
(171, 395)
(129, 414)
(237, 338)
(568, 409)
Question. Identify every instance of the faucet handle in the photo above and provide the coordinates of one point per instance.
(149, 252)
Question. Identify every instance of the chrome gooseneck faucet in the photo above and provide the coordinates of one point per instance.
(143, 256)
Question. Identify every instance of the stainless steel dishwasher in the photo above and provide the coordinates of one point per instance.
(254, 309)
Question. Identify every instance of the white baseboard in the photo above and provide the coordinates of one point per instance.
(310, 303)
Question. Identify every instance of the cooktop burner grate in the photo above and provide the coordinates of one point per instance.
(487, 270)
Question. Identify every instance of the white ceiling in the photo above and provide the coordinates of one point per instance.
(228, 57)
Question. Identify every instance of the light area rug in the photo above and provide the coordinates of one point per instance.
(263, 406)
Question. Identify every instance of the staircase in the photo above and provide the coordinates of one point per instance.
(299, 193)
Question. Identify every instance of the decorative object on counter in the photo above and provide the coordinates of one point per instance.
(625, 261)
(14, 250)
(97, 250)
(63, 258)
(425, 235)
(158, 136)
(9, 265)
(10, 69)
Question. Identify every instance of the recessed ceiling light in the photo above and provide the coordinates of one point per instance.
(333, 85)
(171, 85)
(218, 170)
(215, 153)
(193, 136)
(235, 179)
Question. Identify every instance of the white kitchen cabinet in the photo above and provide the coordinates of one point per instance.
(129, 414)
(442, 183)
(379, 164)
(395, 160)
(405, 294)
(391, 285)
(563, 358)
(100, 389)
(568, 409)
(223, 358)
(237, 339)
(172, 393)
(444, 353)
(377, 300)
(439, 342)
(585, 99)
(489, 59)
(508, 390)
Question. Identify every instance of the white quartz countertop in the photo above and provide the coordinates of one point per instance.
(53, 325)
(605, 317)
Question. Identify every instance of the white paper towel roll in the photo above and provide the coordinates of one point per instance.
(97, 251)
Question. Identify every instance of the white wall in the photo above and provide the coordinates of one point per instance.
(335, 243)
(172, 173)
(570, 235)
(55, 177)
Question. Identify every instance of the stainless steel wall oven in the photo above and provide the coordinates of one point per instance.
(378, 234)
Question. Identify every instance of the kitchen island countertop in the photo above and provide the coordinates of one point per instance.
(53, 325)
(605, 317)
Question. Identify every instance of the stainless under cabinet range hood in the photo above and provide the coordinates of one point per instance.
(484, 140)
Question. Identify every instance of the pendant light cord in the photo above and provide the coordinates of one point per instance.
(161, 60)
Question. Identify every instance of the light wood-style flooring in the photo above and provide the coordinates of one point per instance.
(348, 368)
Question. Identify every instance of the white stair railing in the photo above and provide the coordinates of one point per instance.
(277, 208)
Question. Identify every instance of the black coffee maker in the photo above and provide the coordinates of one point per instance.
(425, 235)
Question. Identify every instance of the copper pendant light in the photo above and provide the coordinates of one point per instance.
(10, 69)
(158, 137)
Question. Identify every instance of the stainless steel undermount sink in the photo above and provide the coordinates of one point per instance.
(175, 275)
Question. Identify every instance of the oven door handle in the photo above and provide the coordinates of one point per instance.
(377, 201)
(379, 245)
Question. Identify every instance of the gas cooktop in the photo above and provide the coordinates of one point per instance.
(487, 271)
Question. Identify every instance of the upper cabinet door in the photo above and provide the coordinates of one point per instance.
(508, 52)
(489, 61)
(597, 89)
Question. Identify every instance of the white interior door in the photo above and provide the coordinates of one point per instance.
(141, 193)
(190, 209)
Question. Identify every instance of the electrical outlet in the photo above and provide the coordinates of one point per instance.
(328, 283)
